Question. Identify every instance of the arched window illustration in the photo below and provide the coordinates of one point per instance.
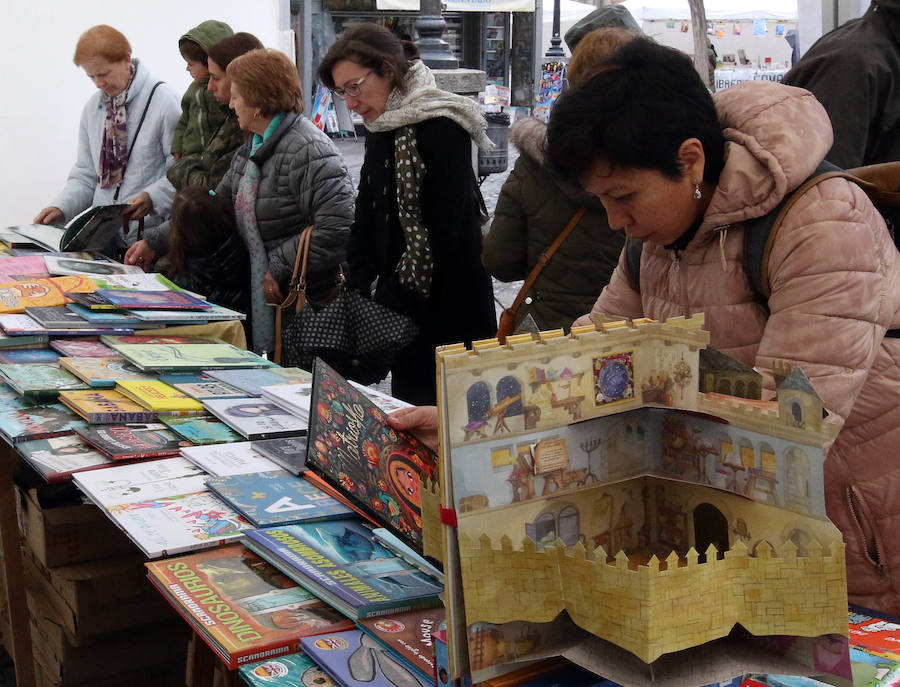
(753, 390)
(740, 388)
(545, 529)
(797, 412)
(510, 387)
(568, 525)
(748, 455)
(723, 387)
(478, 401)
(768, 460)
(710, 527)
(797, 478)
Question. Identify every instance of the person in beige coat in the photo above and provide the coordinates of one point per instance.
(683, 172)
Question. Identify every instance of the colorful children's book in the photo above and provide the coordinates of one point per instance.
(149, 281)
(200, 386)
(289, 670)
(38, 422)
(132, 441)
(162, 505)
(252, 381)
(241, 606)
(57, 458)
(222, 460)
(152, 300)
(254, 418)
(355, 659)
(340, 562)
(92, 301)
(408, 636)
(103, 373)
(187, 357)
(160, 397)
(82, 348)
(376, 466)
(16, 296)
(113, 318)
(32, 266)
(105, 407)
(875, 632)
(58, 264)
(29, 355)
(156, 339)
(277, 498)
(39, 380)
(201, 431)
(289, 452)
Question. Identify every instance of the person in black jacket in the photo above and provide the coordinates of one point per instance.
(415, 242)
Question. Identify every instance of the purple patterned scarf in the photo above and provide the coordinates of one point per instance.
(114, 148)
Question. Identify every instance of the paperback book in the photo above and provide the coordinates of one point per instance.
(289, 670)
(94, 228)
(57, 458)
(252, 381)
(82, 348)
(38, 422)
(57, 264)
(132, 441)
(355, 659)
(39, 380)
(294, 398)
(31, 266)
(200, 386)
(105, 406)
(352, 446)
(20, 324)
(9, 342)
(160, 397)
(214, 313)
(111, 318)
(152, 300)
(44, 235)
(201, 431)
(408, 636)
(289, 452)
(57, 317)
(162, 357)
(139, 281)
(341, 562)
(162, 505)
(156, 339)
(92, 301)
(29, 355)
(228, 459)
(103, 373)
(254, 418)
(240, 605)
(18, 295)
(277, 498)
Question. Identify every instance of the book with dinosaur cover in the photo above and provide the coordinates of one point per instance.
(103, 373)
(57, 458)
(39, 380)
(378, 467)
(355, 659)
(105, 406)
(132, 441)
(408, 635)
(38, 422)
(162, 357)
(201, 431)
(277, 498)
(255, 418)
(288, 452)
(200, 386)
(18, 295)
(162, 505)
(160, 397)
(241, 606)
(340, 562)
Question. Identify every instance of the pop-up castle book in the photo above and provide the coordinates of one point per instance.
(592, 502)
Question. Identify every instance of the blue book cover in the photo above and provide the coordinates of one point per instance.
(29, 355)
(38, 422)
(250, 381)
(156, 300)
(277, 498)
(105, 316)
(286, 671)
(354, 659)
(341, 562)
(202, 431)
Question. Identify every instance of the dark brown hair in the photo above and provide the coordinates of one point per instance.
(200, 223)
(223, 52)
(371, 46)
(192, 50)
(102, 41)
(594, 49)
(267, 79)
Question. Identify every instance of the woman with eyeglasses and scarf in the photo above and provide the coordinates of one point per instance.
(415, 243)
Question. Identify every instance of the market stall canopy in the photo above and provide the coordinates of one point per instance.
(716, 10)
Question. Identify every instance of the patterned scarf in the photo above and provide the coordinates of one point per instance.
(114, 148)
(419, 100)
(262, 317)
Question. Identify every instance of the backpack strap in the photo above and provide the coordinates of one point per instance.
(633, 251)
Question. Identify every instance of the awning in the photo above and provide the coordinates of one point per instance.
(462, 5)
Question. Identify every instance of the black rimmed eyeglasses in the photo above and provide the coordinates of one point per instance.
(353, 89)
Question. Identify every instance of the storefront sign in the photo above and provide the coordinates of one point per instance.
(730, 77)
(462, 5)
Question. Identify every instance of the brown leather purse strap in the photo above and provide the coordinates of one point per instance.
(296, 295)
(543, 260)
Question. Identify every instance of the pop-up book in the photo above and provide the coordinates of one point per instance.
(592, 503)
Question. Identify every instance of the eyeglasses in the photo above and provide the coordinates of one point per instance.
(352, 90)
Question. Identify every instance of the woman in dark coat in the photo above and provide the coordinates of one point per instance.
(415, 243)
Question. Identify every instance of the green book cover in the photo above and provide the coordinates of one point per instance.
(39, 379)
(202, 431)
(187, 357)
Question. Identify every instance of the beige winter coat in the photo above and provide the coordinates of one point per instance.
(835, 276)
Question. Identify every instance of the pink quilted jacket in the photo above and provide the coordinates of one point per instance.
(835, 277)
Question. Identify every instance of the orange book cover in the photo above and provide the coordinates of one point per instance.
(16, 296)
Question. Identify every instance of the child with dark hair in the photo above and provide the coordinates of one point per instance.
(201, 113)
(206, 254)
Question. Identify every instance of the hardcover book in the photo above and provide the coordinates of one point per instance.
(252, 381)
(22, 341)
(162, 505)
(58, 264)
(408, 636)
(341, 562)
(214, 313)
(82, 348)
(289, 452)
(355, 659)
(240, 605)
(160, 397)
(158, 300)
(289, 670)
(200, 386)
(94, 228)
(254, 418)
(228, 459)
(92, 301)
(128, 442)
(20, 324)
(18, 295)
(201, 431)
(29, 355)
(57, 458)
(57, 317)
(38, 422)
(103, 373)
(149, 281)
(103, 407)
(113, 341)
(39, 380)
(112, 318)
(277, 498)
(376, 466)
(187, 357)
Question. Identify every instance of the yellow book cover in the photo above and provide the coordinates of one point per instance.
(16, 296)
(105, 406)
(158, 396)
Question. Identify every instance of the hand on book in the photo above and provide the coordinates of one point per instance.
(139, 206)
(140, 254)
(422, 421)
(50, 215)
